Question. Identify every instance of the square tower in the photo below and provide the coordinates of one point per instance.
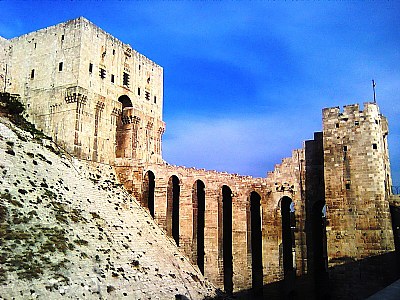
(75, 80)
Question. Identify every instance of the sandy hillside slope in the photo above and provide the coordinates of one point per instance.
(68, 230)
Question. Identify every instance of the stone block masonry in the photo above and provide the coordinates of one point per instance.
(4, 47)
(75, 79)
(318, 225)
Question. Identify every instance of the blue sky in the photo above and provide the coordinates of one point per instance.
(245, 82)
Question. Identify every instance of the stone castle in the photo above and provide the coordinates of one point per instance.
(319, 223)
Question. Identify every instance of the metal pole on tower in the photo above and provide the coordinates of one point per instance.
(373, 87)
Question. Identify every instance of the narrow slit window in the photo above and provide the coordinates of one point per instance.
(155, 99)
(112, 78)
(33, 73)
(125, 79)
(62, 38)
(60, 66)
(374, 146)
(337, 125)
(90, 68)
(102, 73)
(344, 148)
(138, 91)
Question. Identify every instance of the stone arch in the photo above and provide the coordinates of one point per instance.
(148, 191)
(319, 245)
(254, 221)
(225, 237)
(288, 224)
(172, 218)
(198, 202)
(125, 100)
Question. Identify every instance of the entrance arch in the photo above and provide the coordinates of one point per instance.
(172, 219)
(148, 192)
(256, 242)
(198, 202)
(227, 238)
(319, 244)
(125, 100)
(288, 225)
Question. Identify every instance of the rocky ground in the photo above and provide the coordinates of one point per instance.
(68, 230)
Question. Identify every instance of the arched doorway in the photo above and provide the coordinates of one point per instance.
(198, 201)
(318, 223)
(172, 220)
(227, 238)
(256, 242)
(148, 192)
(288, 225)
(125, 100)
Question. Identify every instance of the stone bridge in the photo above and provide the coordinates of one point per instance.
(242, 232)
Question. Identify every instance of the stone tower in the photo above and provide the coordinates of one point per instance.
(357, 187)
(321, 214)
(77, 80)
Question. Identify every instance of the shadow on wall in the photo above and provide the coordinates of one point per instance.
(354, 280)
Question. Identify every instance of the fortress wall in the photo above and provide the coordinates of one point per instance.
(102, 101)
(356, 185)
(287, 180)
(139, 136)
(357, 182)
(284, 181)
(4, 48)
(71, 76)
(107, 53)
(43, 66)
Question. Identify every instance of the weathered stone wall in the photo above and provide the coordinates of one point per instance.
(139, 137)
(286, 180)
(4, 47)
(357, 187)
(75, 79)
(102, 101)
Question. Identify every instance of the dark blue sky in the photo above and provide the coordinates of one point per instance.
(245, 82)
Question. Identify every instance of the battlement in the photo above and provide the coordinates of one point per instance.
(337, 120)
(351, 111)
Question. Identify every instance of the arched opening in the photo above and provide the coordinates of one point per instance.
(288, 225)
(318, 223)
(126, 102)
(256, 242)
(198, 199)
(148, 192)
(227, 238)
(173, 208)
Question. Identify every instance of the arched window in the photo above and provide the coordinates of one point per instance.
(148, 192)
(198, 201)
(173, 208)
(126, 102)
(319, 239)
(256, 242)
(227, 238)
(288, 225)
